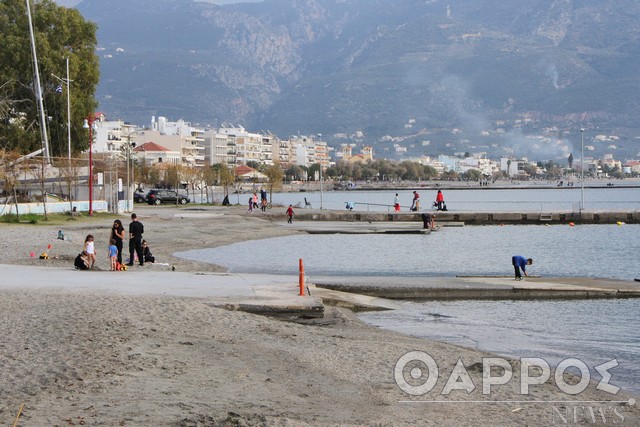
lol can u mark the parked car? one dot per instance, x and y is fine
(139, 197)
(157, 197)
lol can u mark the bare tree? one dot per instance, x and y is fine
(70, 176)
(209, 177)
(39, 169)
(10, 174)
(274, 175)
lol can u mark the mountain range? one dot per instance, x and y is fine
(435, 76)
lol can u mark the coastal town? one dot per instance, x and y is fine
(166, 143)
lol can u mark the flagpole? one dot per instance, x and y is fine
(43, 123)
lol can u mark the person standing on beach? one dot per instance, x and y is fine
(136, 229)
(117, 234)
(90, 250)
(520, 262)
(440, 200)
(290, 214)
(113, 255)
(396, 203)
(250, 210)
(415, 204)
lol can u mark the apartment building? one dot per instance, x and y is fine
(191, 139)
(109, 136)
(244, 146)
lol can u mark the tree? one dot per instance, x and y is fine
(430, 172)
(60, 33)
(274, 175)
(294, 172)
(531, 170)
(311, 171)
(209, 177)
(554, 172)
(473, 175)
(570, 160)
(70, 175)
(191, 175)
(227, 178)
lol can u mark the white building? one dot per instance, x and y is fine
(152, 154)
(109, 136)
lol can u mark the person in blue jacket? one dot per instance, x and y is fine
(520, 262)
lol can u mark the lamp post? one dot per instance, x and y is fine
(88, 124)
(67, 82)
(130, 177)
(582, 171)
(320, 163)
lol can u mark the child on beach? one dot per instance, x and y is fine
(90, 249)
(290, 214)
(82, 261)
(113, 254)
(146, 252)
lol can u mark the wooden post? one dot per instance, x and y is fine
(301, 278)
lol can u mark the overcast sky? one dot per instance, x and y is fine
(73, 3)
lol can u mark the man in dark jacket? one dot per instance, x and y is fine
(136, 229)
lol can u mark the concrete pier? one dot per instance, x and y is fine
(480, 287)
(475, 218)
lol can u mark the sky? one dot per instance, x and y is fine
(73, 3)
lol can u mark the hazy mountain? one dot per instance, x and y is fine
(410, 69)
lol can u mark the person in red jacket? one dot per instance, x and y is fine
(290, 214)
(440, 200)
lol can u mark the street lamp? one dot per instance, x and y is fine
(130, 177)
(88, 124)
(68, 83)
(320, 163)
(582, 171)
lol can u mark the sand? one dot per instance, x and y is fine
(99, 358)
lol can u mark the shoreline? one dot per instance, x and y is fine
(108, 358)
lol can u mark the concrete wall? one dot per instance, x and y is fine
(57, 207)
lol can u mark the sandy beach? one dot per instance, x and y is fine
(101, 358)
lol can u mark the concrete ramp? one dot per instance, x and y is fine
(351, 300)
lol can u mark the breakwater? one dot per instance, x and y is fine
(477, 218)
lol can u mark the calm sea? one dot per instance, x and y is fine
(532, 199)
(594, 331)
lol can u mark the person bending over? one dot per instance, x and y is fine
(520, 262)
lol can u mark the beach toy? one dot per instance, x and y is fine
(571, 224)
(32, 254)
(49, 246)
(620, 223)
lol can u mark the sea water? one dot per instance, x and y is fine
(594, 331)
(473, 198)
(609, 251)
